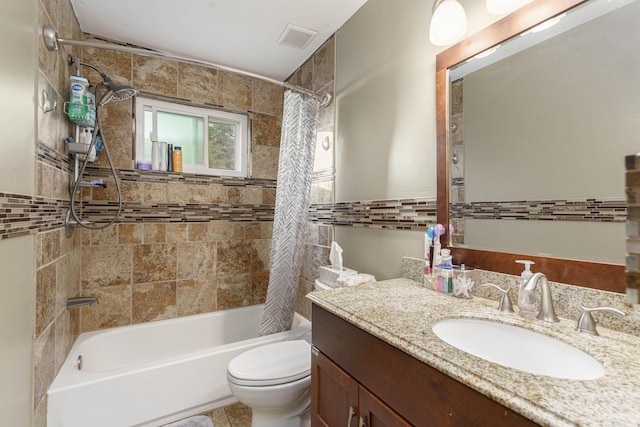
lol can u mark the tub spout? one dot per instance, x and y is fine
(81, 301)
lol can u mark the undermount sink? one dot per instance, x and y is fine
(518, 348)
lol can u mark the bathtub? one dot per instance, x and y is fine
(154, 373)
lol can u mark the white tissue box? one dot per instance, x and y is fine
(329, 275)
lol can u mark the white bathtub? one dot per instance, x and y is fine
(157, 372)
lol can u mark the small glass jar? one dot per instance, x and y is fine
(462, 283)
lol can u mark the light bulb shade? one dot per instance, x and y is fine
(448, 23)
(502, 7)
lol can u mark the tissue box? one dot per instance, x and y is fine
(329, 275)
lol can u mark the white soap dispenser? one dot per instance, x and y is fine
(528, 305)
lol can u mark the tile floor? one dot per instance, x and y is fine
(236, 415)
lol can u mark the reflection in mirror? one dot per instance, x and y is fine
(532, 140)
(538, 137)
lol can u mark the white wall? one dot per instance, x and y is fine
(17, 175)
(386, 123)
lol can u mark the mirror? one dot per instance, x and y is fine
(558, 178)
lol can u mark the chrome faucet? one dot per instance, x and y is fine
(547, 313)
(81, 301)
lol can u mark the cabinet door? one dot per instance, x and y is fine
(375, 413)
(334, 394)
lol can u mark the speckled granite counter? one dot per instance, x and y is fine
(401, 313)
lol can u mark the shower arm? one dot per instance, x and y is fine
(53, 42)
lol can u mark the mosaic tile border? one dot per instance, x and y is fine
(173, 212)
(544, 210)
(20, 215)
(398, 214)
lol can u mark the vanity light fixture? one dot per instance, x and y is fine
(503, 7)
(546, 24)
(448, 22)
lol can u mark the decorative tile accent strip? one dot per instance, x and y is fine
(20, 215)
(172, 212)
(400, 214)
(555, 210)
(51, 157)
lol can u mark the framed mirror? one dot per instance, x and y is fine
(532, 138)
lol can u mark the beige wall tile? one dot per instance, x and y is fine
(113, 310)
(264, 162)
(154, 301)
(44, 363)
(67, 326)
(154, 233)
(116, 65)
(177, 232)
(106, 266)
(196, 260)
(154, 263)
(68, 279)
(259, 285)
(267, 97)
(234, 291)
(155, 75)
(235, 257)
(235, 91)
(265, 130)
(130, 233)
(306, 75)
(269, 196)
(47, 60)
(199, 232)
(195, 193)
(106, 236)
(47, 247)
(45, 297)
(197, 83)
(195, 296)
(324, 65)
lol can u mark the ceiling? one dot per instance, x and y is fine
(239, 34)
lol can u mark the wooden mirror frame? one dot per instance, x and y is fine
(608, 277)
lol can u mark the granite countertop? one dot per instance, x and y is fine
(401, 312)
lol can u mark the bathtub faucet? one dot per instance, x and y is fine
(81, 301)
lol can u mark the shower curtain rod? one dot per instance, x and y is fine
(52, 42)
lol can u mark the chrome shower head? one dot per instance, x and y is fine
(114, 91)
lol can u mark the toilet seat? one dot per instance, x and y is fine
(271, 364)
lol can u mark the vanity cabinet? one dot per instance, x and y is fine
(340, 400)
(387, 387)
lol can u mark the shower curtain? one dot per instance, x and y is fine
(295, 168)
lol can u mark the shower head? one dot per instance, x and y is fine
(114, 91)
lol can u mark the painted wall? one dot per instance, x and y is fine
(17, 173)
(385, 120)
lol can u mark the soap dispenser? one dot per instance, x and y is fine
(528, 305)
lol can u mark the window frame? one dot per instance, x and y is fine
(208, 114)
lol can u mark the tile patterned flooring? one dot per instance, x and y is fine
(236, 415)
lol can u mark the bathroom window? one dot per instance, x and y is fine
(213, 142)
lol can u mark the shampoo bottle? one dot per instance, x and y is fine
(528, 305)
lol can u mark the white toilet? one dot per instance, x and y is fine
(274, 380)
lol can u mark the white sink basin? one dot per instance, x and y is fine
(518, 348)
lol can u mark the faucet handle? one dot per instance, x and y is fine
(505, 301)
(587, 325)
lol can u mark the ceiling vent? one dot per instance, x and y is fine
(296, 36)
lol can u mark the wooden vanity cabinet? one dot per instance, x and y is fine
(352, 369)
(342, 401)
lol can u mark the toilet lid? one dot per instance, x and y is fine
(271, 364)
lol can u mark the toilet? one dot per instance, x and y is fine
(274, 380)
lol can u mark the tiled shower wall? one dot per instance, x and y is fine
(58, 258)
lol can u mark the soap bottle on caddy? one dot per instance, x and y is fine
(528, 305)
(443, 272)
